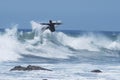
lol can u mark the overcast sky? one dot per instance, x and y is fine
(74, 14)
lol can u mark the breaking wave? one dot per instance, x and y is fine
(58, 45)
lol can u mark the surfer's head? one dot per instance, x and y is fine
(50, 21)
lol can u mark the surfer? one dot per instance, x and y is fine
(51, 25)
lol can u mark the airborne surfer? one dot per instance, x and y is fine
(51, 25)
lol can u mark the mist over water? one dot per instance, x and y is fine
(59, 48)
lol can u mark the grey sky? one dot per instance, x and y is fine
(75, 14)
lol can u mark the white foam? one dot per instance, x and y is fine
(50, 45)
(89, 41)
(9, 45)
(114, 45)
(79, 43)
(46, 48)
(80, 71)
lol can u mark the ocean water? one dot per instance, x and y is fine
(71, 54)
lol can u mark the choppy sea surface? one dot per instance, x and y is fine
(71, 54)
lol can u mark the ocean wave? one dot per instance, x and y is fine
(57, 45)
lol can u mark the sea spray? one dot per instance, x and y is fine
(9, 45)
(15, 44)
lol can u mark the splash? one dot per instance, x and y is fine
(9, 45)
(56, 45)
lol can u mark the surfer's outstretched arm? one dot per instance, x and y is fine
(50, 25)
(57, 23)
(44, 23)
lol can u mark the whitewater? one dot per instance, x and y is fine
(71, 54)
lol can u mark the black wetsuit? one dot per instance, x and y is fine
(52, 27)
